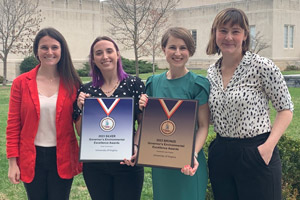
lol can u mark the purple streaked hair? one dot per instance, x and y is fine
(95, 73)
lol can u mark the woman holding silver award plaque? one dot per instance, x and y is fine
(111, 180)
(178, 82)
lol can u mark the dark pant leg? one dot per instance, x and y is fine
(98, 181)
(37, 189)
(47, 184)
(220, 164)
(128, 183)
(58, 188)
(276, 168)
(112, 181)
(255, 179)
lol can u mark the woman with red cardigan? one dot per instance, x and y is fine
(41, 143)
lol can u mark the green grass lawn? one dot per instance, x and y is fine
(290, 72)
(9, 191)
(197, 71)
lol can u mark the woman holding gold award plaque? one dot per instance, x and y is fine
(111, 180)
(189, 183)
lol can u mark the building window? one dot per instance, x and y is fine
(252, 37)
(288, 36)
(291, 38)
(194, 35)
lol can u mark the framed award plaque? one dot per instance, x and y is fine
(107, 129)
(168, 133)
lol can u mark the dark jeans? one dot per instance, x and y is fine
(238, 172)
(47, 185)
(112, 181)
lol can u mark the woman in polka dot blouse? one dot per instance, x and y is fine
(243, 160)
(111, 180)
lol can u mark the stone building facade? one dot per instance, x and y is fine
(81, 21)
(277, 21)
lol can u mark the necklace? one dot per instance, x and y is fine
(113, 89)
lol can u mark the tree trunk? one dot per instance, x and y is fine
(153, 61)
(136, 62)
(4, 70)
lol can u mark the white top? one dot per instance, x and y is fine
(46, 134)
(241, 110)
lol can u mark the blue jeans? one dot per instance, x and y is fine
(47, 185)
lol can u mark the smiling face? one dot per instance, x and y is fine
(105, 56)
(49, 51)
(229, 39)
(176, 52)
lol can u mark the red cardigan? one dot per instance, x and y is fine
(22, 126)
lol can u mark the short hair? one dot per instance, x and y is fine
(97, 77)
(181, 33)
(65, 65)
(233, 16)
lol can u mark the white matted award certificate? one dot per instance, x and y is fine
(107, 129)
(168, 133)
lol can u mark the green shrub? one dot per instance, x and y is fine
(291, 68)
(209, 139)
(28, 64)
(83, 72)
(1, 79)
(129, 66)
(289, 150)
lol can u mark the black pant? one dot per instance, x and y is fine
(47, 185)
(238, 172)
(112, 181)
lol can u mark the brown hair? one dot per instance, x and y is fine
(97, 76)
(181, 33)
(232, 16)
(65, 66)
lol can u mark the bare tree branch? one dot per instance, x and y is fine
(132, 22)
(152, 46)
(258, 43)
(19, 24)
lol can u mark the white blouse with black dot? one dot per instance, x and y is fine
(134, 89)
(241, 110)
